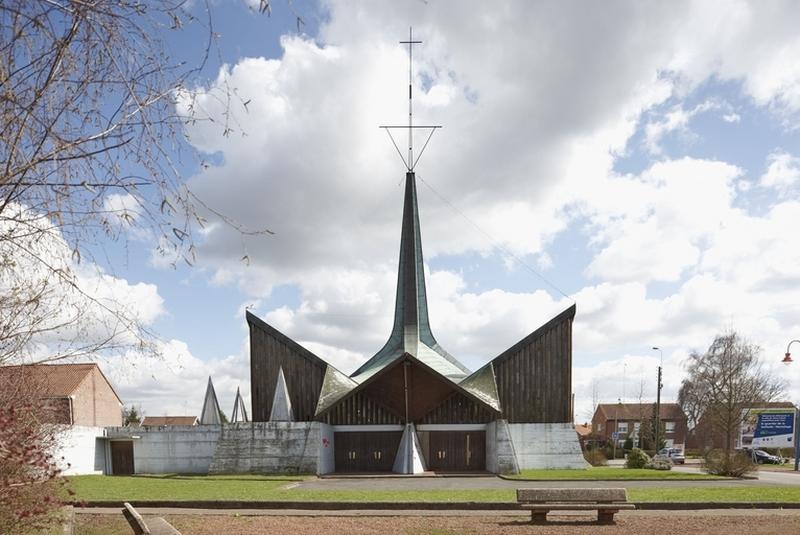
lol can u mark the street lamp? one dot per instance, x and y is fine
(787, 359)
(658, 399)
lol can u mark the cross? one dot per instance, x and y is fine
(410, 44)
(410, 163)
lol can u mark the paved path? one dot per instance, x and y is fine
(491, 482)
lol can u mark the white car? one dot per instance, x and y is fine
(673, 454)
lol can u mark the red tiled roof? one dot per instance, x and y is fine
(53, 380)
(583, 430)
(636, 411)
(154, 421)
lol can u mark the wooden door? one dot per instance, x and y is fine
(122, 457)
(365, 451)
(457, 451)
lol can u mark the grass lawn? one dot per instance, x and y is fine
(280, 488)
(610, 473)
(254, 488)
(716, 494)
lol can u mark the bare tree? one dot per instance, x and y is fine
(91, 147)
(90, 144)
(725, 381)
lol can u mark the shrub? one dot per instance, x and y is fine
(720, 463)
(659, 462)
(637, 459)
(595, 457)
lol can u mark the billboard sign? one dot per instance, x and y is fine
(767, 428)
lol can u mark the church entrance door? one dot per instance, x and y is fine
(365, 451)
(457, 451)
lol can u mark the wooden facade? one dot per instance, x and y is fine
(432, 398)
(534, 377)
(271, 350)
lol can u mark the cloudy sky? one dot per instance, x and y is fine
(640, 159)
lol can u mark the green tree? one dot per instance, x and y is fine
(131, 416)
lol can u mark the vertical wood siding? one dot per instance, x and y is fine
(459, 409)
(269, 351)
(534, 377)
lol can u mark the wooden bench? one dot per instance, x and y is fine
(607, 502)
(154, 526)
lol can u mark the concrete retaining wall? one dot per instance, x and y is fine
(80, 450)
(546, 446)
(184, 449)
(268, 448)
(500, 455)
(256, 447)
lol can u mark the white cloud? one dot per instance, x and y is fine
(532, 129)
(175, 383)
(677, 119)
(783, 171)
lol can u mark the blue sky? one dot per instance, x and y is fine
(647, 169)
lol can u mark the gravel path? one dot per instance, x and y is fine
(685, 523)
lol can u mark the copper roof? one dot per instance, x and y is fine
(155, 421)
(637, 411)
(411, 332)
(53, 380)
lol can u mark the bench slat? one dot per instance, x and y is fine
(572, 495)
(579, 506)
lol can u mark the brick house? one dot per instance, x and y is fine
(626, 419)
(75, 394)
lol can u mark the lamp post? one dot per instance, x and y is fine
(787, 359)
(658, 399)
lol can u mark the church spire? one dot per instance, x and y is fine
(411, 302)
(411, 331)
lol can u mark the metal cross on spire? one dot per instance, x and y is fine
(410, 163)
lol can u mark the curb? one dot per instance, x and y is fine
(421, 506)
(660, 479)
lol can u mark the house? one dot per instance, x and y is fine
(703, 436)
(79, 400)
(626, 419)
(158, 421)
(584, 431)
(74, 394)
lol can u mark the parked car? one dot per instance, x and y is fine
(762, 457)
(673, 454)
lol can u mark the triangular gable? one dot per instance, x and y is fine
(385, 370)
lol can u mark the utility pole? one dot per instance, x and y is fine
(658, 401)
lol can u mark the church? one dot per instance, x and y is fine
(413, 406)
(409, 409)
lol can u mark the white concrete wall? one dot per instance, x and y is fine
(268, 448)
(546, 446)
(82, 449)
(327, 461)
(184, 449)
(500, 455)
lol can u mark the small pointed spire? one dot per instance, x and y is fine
(210, 414)
(239, 414)
(409, 458)
(281, 404)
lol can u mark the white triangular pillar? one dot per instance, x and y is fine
(239, 414)
(281, 404)
(210, 413)
(409, 458)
